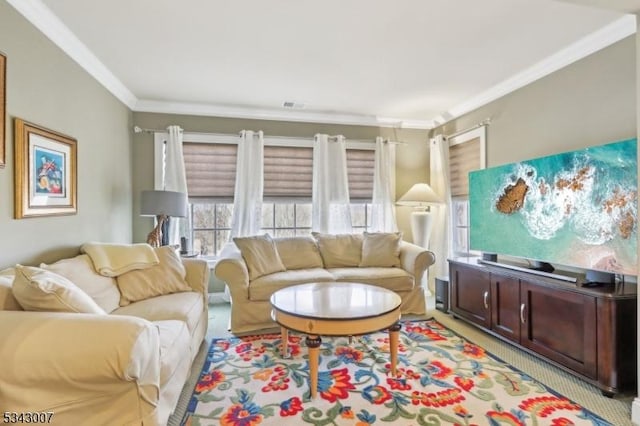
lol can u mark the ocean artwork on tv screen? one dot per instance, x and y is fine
(577, 209)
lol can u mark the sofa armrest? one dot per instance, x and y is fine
(50, 360)
(232, 269)
(415, 260)
(198, 275)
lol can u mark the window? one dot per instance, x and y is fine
(466, 153)
(210, 163)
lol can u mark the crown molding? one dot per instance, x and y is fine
(36, 12)
(276, 114)
(606, 36)
(44, 20)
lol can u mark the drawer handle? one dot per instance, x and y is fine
(522, 319)
(486, 301)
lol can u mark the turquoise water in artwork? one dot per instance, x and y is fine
(580, 209)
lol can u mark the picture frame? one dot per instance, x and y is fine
(45, 171)
(3, 108)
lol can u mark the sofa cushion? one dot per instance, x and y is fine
(80, 271)
(298, 252)
(381, 249)
(7, 301)
(260, 254)
(395, 279)
(339, 250)
(167, 277)
(174, 339)
(264, 287)
(186, 307)
(37, 289)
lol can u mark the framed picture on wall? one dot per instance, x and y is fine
(45, 172)
(3, 107)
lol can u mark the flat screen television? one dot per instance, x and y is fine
(577, 209)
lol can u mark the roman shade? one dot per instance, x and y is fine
(463, 158)
(210, 169)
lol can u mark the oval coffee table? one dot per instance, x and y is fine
(335, 309)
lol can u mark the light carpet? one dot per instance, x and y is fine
(442, 379)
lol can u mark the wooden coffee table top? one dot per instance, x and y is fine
(335, 308)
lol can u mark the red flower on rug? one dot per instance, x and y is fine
(242, 415)
(437, 399)
(290, 407)
(348, 355)
(334, 384)
(544, 406)
(209, 381)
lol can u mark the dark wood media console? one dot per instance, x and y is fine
(587, 331)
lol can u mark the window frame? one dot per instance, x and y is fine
(298, 142)
(460, 225)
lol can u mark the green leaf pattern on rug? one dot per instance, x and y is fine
(442, 379)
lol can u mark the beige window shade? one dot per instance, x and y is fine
(360, 165)
(463, 158)
(287, 171)
(210, 169)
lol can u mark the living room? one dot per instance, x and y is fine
(589, 102)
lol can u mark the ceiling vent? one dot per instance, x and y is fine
(292, 105)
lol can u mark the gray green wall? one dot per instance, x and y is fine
(590, 102)
(45, 87)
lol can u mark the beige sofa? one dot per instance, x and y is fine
(375, 259)
(124, 364)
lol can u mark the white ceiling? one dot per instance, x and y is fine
(410, 63)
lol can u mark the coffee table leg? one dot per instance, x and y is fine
(313, 343)
(394, 333)
(284, 333)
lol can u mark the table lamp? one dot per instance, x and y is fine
(162, 205)
(420, 197)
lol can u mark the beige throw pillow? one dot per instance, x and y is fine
(80, 271)
(260, 254)
(339, 250)
(298, 252)
(381, 249)
(36, 289)
(167, 277)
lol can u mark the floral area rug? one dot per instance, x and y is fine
(441, 379)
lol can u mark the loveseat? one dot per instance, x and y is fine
(255, 267)
(101, 350)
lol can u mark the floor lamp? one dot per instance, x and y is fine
(420, 197)
(162, 205)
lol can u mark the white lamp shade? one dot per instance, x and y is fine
(168, 203)
(420, 194)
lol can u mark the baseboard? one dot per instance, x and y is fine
(635, 411)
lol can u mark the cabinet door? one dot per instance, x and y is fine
(505, 306)
(560, 325)
(470, 289)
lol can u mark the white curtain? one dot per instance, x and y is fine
(331, 211)
(383, 218)
(175, 179)
(441, 233)
(247, 199)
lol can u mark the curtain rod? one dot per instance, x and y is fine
(138, 129)
(484, 122)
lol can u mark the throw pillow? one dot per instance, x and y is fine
(80, 271)
(339, 250)
(167, 277)
(381, 249)
(36, 289)
(7, 301)
(298, 252)
(260, 254)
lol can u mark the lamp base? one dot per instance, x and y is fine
(154, 239)
(421, 228)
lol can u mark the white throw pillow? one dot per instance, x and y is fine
(381, 249)
(36, 289)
